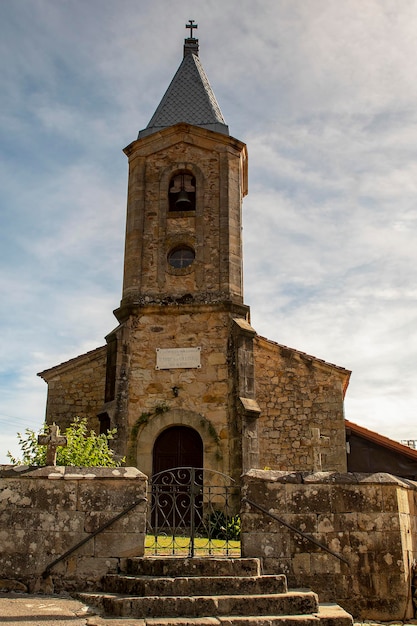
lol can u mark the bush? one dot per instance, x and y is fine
(84, 449)
(221, 526)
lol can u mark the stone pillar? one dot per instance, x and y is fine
(248, 410)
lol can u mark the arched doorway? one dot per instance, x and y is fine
(190, 506)
(173, 504)
(177, 446)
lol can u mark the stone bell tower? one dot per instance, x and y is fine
(187, 178)
(180, 362)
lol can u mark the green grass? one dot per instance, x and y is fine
(164, 545)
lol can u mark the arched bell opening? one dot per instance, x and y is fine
(182, 192)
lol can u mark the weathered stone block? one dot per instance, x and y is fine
(102, 496)
(322, 563)
(374, 537)
(301, 564)
(268, 545)
(348, 498)
(308, 498)
(133, 522)
(108, 545)
(31, 542)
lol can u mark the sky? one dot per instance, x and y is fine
(323, 93)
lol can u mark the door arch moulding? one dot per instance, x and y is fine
(214, 456)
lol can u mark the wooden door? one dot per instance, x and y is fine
(176, 493)
(178, 446)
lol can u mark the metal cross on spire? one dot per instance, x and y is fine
(191, 26)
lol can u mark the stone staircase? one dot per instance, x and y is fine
(163, 591)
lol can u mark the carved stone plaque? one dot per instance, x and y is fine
(175, 358)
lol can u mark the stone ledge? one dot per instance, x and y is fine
(71, 473)
(348, 478)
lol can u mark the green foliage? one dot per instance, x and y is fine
(143, 419)
(221, 526)
(211, 430)
(161, 408)
(84, 449)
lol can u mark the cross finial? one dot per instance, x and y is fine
(52, 441)
(191, 26)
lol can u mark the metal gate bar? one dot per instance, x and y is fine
(193, 511)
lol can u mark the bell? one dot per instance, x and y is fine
(183, 202)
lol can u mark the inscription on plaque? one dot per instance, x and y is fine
(175, 358)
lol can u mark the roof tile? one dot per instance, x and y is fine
(189, 98)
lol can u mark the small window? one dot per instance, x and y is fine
(111, 361)
(181, 257)
(182, 192)
(104, 420)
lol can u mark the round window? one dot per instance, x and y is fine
(181, 257)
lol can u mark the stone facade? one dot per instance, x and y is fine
(241, 376)
(154, 399)
(76, 389)
(369, 519)
(45, 512)
(252, 402)
(296, 393)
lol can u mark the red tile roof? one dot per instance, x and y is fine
(374, 437)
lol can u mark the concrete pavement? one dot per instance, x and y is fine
(22, 609)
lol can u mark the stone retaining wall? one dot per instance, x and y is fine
(46, 511)
(370, 519)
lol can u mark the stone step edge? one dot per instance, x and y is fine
(249, 620)
(222, 576)
(328, 615)
(250, 564)
(125, 605)
(97, 595)
(196, 559)
(281, 578)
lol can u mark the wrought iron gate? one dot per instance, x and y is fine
(193, 511)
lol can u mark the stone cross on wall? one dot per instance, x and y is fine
(52, 440)
(317, 443)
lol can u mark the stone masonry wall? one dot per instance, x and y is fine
(200, 397)
(296, 393)
(44, 512)
(216, 162)
(204, 392)
(370, 519)
(76, 389)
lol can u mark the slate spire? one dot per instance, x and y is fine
(189, 98)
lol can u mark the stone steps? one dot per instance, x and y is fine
(196, 566)
(175, 591)
(290, 603)
(327, 618)
(333, 617)
(194, 585)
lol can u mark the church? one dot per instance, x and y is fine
(184, 377)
